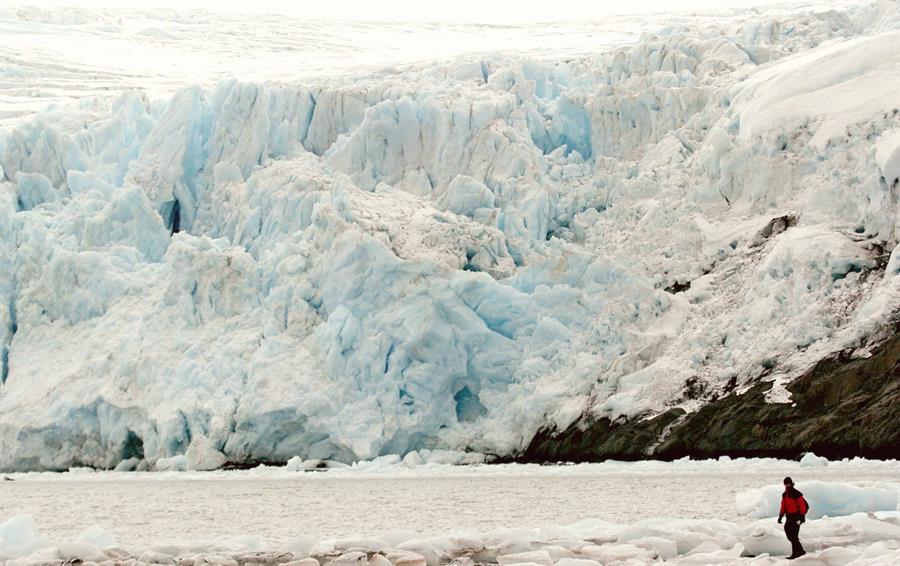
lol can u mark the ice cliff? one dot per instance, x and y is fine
(448, 256)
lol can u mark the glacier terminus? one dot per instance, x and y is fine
(448, 256)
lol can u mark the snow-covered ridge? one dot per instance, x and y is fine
(449, 257)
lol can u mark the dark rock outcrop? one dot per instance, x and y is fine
(842, 407)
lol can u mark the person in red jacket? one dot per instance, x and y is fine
(794, 507)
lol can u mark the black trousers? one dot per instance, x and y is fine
(792, 530)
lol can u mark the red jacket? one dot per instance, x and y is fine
(793, 503)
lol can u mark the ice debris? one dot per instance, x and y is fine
(857, 540)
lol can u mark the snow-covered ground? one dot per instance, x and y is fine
(53, 56)
(689, 512)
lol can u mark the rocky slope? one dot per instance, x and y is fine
(845, 406)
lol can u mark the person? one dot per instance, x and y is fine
(794, 507)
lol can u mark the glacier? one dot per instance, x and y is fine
(450, 255)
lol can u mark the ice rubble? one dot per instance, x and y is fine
(860, 539)
(426, 463)
(450, 256)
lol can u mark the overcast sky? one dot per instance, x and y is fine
(489, 11)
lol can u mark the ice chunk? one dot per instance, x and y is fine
(540, 557)
(153, 557)
(295, 464)
(128, 465)
(98, 536)
(79, 551)
(19, 536)
(365, 545)
(465, 195)
(825, 499)
(766, 539)
(173, 464)
(665, 548)
(810, 460)
(127, 219)
(40, 148)
(397, 536)
(354, 558)
(422, 548)
(406, 558)
(202, 454)
(34, 189)
(887, 156)
(686, 534)
(576, 562)
(729, 556)
(620, 552)
(893, 264)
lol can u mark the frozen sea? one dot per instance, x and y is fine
(152, 508)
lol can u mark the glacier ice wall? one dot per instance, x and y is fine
(450, 256)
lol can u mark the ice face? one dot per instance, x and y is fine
(444, 257)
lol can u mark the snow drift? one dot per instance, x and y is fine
(446, 257)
